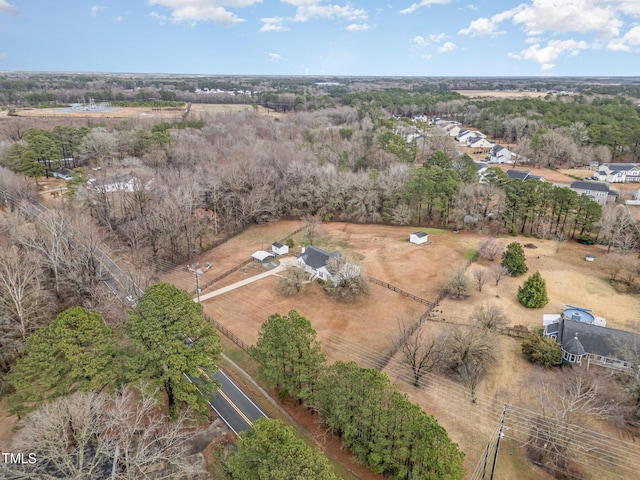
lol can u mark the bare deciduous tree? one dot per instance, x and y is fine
(86, 435)
(480, 277)
(458, 284)
(311, 223)
(23, 299)
(499, 272)
(466, 344)
(420, 353)
(348, 281)
(573, 398)
(490, 316)
(490, 248)
(292, 280)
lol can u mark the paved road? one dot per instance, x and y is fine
(233, 406)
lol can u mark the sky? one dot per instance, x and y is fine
(323, 37)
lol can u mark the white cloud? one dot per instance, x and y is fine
(193, 11)
(627, 43)
(545, 56)
(562, 16)
(357, 27)
(482, 27)
(423, 3)
(427, 56)
(6, 7)
(309, 9)
(488, 27)
(438, 37)
(275, 57)
(273, 24)
(447, 47)
(96, 9)
(3, 56)
(119, 18)
(419, 41)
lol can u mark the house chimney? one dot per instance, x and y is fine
(303, 248)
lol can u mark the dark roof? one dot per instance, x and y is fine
(497, 148)
(602, 187)
(277, 244)
(620, 166)
(595, 339)
(317, 258)
(518, 174)
(574, 346)
(420, 234)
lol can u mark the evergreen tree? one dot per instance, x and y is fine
(513, 259)
(289, 354)
(533, 294)
(77, 351)
(171, 339)
(271, 451)
(542, 350)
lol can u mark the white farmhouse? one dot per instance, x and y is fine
(314, 261)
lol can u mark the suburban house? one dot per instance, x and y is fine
(279, 248)
(598, 192)
(121, 182)
(479, 142)
(584, 338)
(314, 260)
(464, 135)
(500, 154)
(452, 130)
(619, 172)
(523, 175)
(418, 238)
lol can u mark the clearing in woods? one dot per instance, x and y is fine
(365, 331)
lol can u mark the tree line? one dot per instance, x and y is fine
(379, 425)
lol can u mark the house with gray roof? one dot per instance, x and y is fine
(619, 172)
(596, 191)
(500, 154)
(523, 175)
(314, 261)
(592, 343)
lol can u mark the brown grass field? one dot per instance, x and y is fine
(197, 109)
(364, 332)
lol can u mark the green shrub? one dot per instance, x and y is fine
(533, 294)
(586, 239)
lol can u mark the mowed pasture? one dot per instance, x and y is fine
(365, 331)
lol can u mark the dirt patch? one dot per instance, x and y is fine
(562, 177)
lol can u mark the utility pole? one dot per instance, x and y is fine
(198, 273)
(500, 435)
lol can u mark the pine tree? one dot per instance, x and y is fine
(533, 294)
(513, 259)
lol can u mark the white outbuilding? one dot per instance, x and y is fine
(261, 256)
(279, 248)
(418, 238)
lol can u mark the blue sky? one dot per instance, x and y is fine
(324, 37)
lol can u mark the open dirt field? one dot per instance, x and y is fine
(496, 94)
(364, 331)
(129, 112)
(561, 177)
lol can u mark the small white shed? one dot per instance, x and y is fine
(418, 238)
(279, 248)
